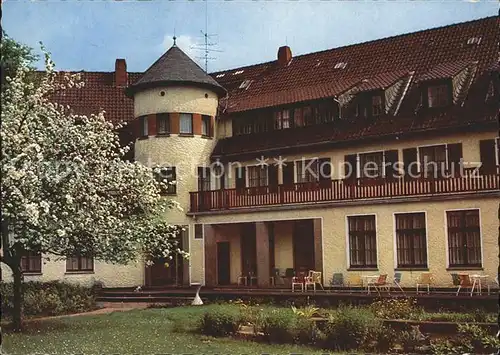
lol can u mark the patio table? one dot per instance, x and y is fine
(476, 280)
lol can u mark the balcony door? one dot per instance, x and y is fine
(204, 185)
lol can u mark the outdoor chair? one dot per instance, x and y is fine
(397, 281)
(313, 278)
(275, 277)
(425, 280)
(465, 282)
(337, 280)
(377, 284)
(289, 274)
(298, 281)
(242, 280)
(354, 280)
(494, 284)
(252, 277)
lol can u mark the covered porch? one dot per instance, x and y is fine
(263, 253)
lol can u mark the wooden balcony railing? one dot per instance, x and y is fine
(340, 190)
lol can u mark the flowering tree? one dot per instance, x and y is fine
(66, 189)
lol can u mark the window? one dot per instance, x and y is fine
(438, 95)
(144, 126)
(79, 263)
(206, 126)
(186, 123)
(31, 262)
(282, 119)
(377, 105)
(464, 238)
(198, 231)
(257, 176)
(166, 176)
(204, 178)
(411, 244)
(298, 117)
(371, 165)
(362, 242)
(307, 171)
(163, 123)
(433, 160)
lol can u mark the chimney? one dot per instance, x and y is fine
(121, 76)
(284, 55)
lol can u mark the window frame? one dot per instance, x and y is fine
(206, 121)
(160, 117)
(144, 126)
(171, 188)
(29, 257)
(260, 176)
(447, 93)
(181, 115)
(373, 106)
(358, 165)
(79, 268)
(365, 266)
(413, 265)
(199, 235)
(446, 152)
(480, 235)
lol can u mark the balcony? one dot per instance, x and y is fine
(341, 190)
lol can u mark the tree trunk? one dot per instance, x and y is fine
(18, 298)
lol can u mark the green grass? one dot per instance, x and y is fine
(150, 331)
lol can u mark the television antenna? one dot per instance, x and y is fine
(208, 42)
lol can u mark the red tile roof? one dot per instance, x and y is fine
(435, 53)
(431, 52)
(445, 70)
(420, 52)
(99, 93)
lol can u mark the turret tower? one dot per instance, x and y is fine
(175, 103)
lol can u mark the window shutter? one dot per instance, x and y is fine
(324, 169)
(454, 157)
(240, 177)
(350, 167)
(211, 126)
(391, 158)
(151, 124)
(410, 162)
(288, 171)
(487, 154)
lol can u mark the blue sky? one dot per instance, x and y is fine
(90, 35)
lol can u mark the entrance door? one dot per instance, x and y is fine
(223, 264)
(167, 272)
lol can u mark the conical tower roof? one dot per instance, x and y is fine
(175, 68)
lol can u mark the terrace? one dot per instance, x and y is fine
(342, 190)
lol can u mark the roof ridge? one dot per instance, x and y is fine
(360, 43)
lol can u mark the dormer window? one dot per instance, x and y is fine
(377, 105)
(438, 95)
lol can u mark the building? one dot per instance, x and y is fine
(381, 157)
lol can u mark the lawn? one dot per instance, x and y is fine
(149, 331)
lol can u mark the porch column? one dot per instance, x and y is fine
(210, 277)
(262, 241)
(318, 247)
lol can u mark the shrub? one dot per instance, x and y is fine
(220, 322)
(278, 326)
(49, 298)
(412, 339)
(477, 339)
(348, 328)
(396, 308)
(380, 338)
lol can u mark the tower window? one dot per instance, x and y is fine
(144, 126)
(186, 123)
(167, 177)
(438, 95)
(205, 126)
(163, 123)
